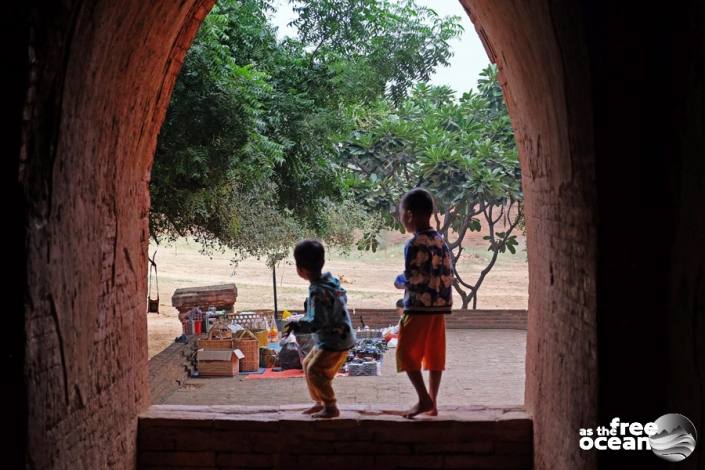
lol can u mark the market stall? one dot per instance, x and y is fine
(254, 339)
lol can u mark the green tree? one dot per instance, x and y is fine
(462, 151)
(213, 152)
(255, 122)
(380, 47)
(376, 46)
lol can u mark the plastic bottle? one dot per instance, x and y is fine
(273, 333)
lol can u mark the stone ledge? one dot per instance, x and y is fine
(232, 436)
(348, 412)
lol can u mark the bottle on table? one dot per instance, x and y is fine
(273, 333)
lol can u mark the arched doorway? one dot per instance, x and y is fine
(94, 88)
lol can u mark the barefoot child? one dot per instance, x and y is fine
(427, 283)
(327, 316)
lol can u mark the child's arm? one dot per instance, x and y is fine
(400, 282)
(416, 257)
(312, 319)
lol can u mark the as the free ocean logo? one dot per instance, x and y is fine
(671, 437)
(675, 438)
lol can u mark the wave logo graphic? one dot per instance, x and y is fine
(675, 439)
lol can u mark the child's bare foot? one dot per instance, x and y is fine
(433, 411)
(327, 412)
(315, 408)
(423, 406)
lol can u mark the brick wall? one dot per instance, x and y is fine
(169, 369)
(542, 64)
(459, 319)
(283, 438)
(101, 78)
(578, 89)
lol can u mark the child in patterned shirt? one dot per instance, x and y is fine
(427, 282)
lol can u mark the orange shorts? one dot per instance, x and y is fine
(422, 342)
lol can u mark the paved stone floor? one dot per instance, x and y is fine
(483, 367)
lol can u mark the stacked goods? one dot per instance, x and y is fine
(218, 362)
(252, 320)
(216, 356)
(366, 356)
(366, 368)
(219, 337)
(391, 335)
(290, 353)
(258, 323)
(268, 357)
(247, 342)
(369, 349)
(368, 333)
(262, 337)
(192, 321)
(222, 297)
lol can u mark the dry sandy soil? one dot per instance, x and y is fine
(368, 278)
(483, 367)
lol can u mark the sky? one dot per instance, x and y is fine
(469, 55)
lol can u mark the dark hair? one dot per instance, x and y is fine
(400, 303)
(419, 202)
(310, 255)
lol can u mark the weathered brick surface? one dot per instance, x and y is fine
(559, 183)
(459, 319)
(102, 74)
(579, 108)
(364, 437)
(169, 369)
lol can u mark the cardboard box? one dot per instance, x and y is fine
(219, 362)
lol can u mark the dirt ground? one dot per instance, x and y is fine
(483, 367)
(368, 278)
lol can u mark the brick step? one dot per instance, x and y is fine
(173, 436)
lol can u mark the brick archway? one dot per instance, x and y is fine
(92, 80)
(101, 75)
(546, 80)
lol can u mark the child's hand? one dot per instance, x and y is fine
(289, 328)
(400, 282)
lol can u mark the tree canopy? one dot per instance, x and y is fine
(249, 155)
(267, 140)
(462, 150)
